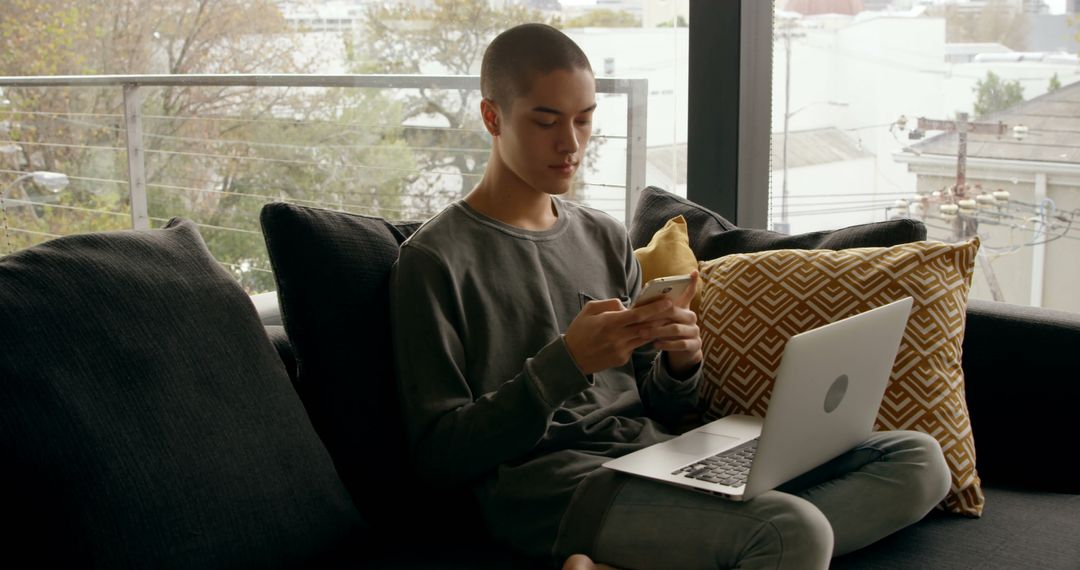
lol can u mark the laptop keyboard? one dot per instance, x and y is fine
(730, 467)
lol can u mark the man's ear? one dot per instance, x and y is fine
(489, 111)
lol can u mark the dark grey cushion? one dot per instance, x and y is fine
(1020, 394)
(1018, 529)
(712, 236)
(145, 418)
(332, 271)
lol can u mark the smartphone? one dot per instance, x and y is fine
(670, 287)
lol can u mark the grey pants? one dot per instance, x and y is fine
(890, 481)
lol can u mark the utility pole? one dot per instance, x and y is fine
(962, 127)
(967, 225)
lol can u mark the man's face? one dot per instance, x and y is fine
(543, 136)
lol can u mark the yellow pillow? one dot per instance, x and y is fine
(753, 303)
(669, 253)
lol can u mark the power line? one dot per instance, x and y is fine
(203, 140)
(259, 159)
(320, 203)
(65, 207)
(250, 268)
(324, 204)
(31, 232)
(377, 127)
(65, 113)
(847, 210)
(214, 227)
(853, 194)
(70, 177)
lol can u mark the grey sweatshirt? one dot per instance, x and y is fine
(491, 396)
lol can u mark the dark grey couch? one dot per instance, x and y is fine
(148, 422)
(1020, 391)
(1012, 358)
(1019, 399)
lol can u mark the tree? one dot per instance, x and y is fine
(993, 94)
(996, 22)
(449, 38)
(213, 154)
(1055, 84)
(680, 22)
(54, 37)
(449, 144)
(604, 18)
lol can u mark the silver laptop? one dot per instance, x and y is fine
(827, 393)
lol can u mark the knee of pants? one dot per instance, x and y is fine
(939, 478)
(935, 479)
(793, 525)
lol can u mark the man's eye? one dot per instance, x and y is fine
(584, 122)
(542, 124)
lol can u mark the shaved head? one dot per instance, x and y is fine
(515, 57)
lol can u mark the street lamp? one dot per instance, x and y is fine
(783, 226)
(52, 181)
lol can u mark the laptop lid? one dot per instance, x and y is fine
(827, 393)
(829, 387)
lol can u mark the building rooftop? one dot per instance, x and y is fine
(1053, 122)
(805, 148)
(814, 147)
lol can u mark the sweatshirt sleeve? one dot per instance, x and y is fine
(454, 434)
(666, 398)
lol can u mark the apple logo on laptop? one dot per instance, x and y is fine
(836, 393)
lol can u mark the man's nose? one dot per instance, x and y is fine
(568, 139)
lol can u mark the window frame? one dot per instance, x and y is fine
(728, 140)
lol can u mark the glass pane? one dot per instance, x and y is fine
(868, 102)
(216, 154)
(621, 39)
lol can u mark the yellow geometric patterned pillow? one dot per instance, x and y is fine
(753, 303)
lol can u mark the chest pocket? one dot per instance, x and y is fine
(584, 298)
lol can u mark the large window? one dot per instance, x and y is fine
(962, 114)
(72, 159)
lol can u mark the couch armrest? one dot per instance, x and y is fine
(1020, 368)
(266, 305)
(284, 349)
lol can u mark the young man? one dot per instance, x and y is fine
(522, 369)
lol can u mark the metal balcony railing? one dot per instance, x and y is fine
(21, 153)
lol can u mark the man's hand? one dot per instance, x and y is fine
(677, 334)
(605, 334)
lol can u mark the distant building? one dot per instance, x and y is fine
(1053, 33)
(341, 15)
(1036, 7)
(331, 16)
(979, 6)
(966, 53)
(816, 7)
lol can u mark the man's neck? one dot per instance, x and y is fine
(513, 202)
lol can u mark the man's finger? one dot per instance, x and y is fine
(688, 294)
(602, 306)
(646, 312)
(669, 332)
